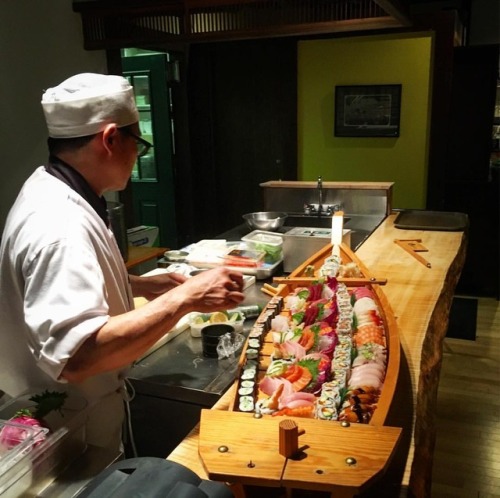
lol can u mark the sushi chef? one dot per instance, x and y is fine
(67, 318)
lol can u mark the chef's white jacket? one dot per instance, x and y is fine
(61, 277)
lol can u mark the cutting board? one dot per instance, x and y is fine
(180, 326)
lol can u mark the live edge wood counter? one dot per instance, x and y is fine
(421, 299)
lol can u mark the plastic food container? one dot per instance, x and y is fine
(270, 243)
(16, 461)
(198, 321)
(31, 467)
(21, 440)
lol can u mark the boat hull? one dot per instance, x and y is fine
(333, 455)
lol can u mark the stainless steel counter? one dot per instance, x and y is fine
(180, 372)
(361, 226)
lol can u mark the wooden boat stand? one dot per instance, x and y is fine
(339, 458)
(420, 299)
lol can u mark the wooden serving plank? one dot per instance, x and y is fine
(141, 254)
(264, 362)
(253, 456)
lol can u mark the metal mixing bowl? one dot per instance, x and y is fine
(265, 220)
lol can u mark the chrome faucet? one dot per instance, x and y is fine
(320, 195)
(309, 209)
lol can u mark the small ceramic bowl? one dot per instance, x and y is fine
(211, 335)
(175, 256)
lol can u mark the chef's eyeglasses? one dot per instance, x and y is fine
(143, 146)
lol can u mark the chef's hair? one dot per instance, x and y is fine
(58, 145)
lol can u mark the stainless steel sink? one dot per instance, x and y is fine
(304, 220)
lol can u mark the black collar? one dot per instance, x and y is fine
(68, 175)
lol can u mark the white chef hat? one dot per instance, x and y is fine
(85, 103)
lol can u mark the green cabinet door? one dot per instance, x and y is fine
(153, 191)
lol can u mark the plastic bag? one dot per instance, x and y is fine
(229, 344)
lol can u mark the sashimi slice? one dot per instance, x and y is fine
(303, 381)
(290, 349)
(361, 292)
(365, 380)
(370, 368)
(280, 323)
(369, 333)
(296, 403)
(285, 400)
(268, 385)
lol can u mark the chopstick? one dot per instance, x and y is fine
(349, 281)
(411, 246)
(269, 293)
(269, 290)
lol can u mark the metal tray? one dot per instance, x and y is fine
(415, 219)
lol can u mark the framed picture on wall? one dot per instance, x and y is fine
(367, 110)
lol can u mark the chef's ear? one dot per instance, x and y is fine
(109, 135)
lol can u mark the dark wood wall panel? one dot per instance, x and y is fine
(243, 126)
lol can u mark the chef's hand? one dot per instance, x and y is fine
(213, 290)
(153, 286)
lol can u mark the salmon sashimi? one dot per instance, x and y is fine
(369, 333)
(298, 376)
(307, 338)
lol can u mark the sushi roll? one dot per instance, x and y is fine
(256, 333)
(345, 341)
(277, 302)
(326, 412)
(245, 391)
(339, 377)
(330, 394)
(246, 404)
(325, 400)
(252, 354)
(248, 383)
(341, 363)
(254, 343)
(249, 374)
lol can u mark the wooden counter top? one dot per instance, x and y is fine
(421, 299)
(141, 254)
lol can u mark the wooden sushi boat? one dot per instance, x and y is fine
(323, 429)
